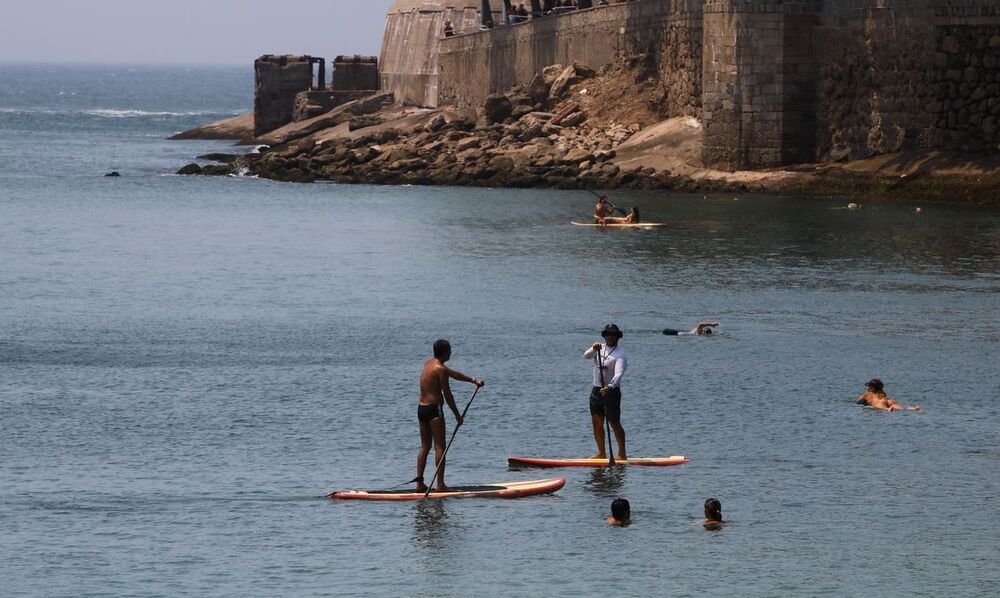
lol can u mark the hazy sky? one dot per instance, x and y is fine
(186, 31)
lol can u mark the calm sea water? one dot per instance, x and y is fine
(187, 365)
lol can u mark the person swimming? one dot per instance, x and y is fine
(621, 513)
(876, 398)
(704, 328)
(713, 514)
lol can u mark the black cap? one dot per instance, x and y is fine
(611, 330)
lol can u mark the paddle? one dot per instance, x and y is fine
(613, 206)
(448, 446)
(607, 422)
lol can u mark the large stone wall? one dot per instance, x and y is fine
(759, 82)
(413, 31)
(278, 79)
(667, 31)
(914, 74)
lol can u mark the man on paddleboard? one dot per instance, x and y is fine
(604, 209)
(610, 364)
(434, 392)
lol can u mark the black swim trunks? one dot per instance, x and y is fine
(671, 332)
(609, 406)
(428, 413)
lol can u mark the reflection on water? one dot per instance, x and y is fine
(430, 525)
(606, 481)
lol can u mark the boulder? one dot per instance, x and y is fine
(191, 168)
(551, 73)
(563, 81)
(577, 155)
(583, 71)
(497, 108)
(573, 120)
(539, 90)
(436, 124)
(217, 157)
(467, 144)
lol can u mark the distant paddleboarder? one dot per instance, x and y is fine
(604, 209)
(704, 328)
(434, 392)
(610, 364)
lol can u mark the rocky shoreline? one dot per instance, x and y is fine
(571, 128)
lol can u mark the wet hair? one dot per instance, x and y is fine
(713, 509)
(441, 348)
(620, 509)
(707, 330)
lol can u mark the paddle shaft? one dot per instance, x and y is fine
(613, 206)
(448, 446)
(607, 422)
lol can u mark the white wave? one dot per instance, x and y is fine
(113, 113)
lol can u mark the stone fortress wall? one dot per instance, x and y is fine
(774, 81)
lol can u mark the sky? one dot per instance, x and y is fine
(186, 31)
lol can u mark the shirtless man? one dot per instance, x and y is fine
(604, 209)
(876, 398)
(704, 328)
(434, 391)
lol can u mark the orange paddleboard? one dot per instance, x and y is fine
(502, 490)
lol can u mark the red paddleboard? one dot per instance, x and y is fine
(646, 461)
(503, 490)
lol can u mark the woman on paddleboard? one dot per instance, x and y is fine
(610, 364)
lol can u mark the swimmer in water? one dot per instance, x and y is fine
(876, 398)
(713, 514)
(704, 328)
(621, 513)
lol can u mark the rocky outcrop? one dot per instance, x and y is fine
(238, 128)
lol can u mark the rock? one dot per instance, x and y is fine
(363, 121)
(521, 110)
(604, 155)
(950, 45)
(573, 120)
(545, 162)
(113, 174)
(497, 108)
(467, 144)
(583, 71)
(562, 83)
(575, 156)
(539, 90)
(551, 73)
(217, 170)
(217, 157)
(191, 168)
(436, 124)
(367, 154)
(542, 116)
(568, 109)
(585, 165)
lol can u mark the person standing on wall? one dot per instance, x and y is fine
(610, 363)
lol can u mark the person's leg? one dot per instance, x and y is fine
(598, 422)
(437, 431)
(619, 431)
(425, 448)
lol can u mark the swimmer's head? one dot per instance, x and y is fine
(707, 331)
(442, 349)
(875, 385)
(713, 509)
(621, 510)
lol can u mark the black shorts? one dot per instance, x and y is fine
(671, 332)
(609, 406)
(428, 413)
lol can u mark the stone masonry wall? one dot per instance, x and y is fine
(668, 31)
(278, 79)
(758, 83)
(919, 74)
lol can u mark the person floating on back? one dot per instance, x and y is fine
(704, 328)
(713, 514)
(610, 364)
(604, 209)
(621, 513)
(434, 392)
(876, 398)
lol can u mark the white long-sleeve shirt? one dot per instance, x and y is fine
(615, 364)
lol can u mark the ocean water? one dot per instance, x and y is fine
(188, 365)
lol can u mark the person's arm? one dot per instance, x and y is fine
(448, 397)
(457, 375)
(862, 400)
(589, 353)
(621, 364)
